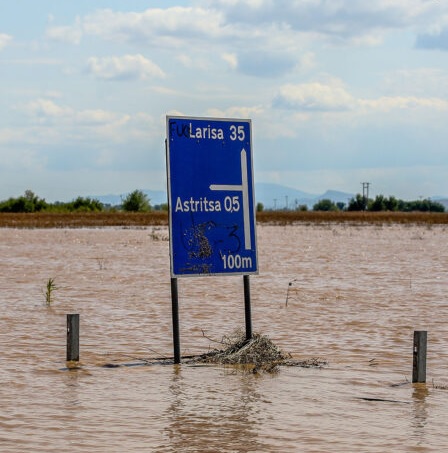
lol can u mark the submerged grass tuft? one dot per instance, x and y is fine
(50, 288)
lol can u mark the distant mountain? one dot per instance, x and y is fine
(272, 196)
(277, 196)
(441, 200)
(336, 196)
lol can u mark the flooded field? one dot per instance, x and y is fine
(352, 295)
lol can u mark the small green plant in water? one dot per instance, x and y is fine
(50, 288)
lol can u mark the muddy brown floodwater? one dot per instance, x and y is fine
(352, 295)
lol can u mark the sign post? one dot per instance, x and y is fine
(211, 199)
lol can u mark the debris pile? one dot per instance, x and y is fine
(257, 354)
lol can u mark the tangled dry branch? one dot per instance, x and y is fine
(258, 354)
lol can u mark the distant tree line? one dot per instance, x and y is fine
(380, 203)
(136, 201)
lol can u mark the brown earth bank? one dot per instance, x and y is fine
(144, 219)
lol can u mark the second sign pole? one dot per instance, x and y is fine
(247, 309)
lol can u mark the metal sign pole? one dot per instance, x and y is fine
(247, 310)
(175, 315)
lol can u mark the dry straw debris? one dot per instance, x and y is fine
(259, 354)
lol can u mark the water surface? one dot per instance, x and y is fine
(352, 295)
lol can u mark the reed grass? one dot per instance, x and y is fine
(50, 288)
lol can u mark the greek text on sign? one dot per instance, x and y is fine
(211, 197)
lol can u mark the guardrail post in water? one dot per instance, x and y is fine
(419, 356)
(73, 337)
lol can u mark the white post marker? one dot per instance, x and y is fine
(244, 189)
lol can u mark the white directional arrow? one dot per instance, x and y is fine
(244, 189)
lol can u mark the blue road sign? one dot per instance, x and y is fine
(211, 196)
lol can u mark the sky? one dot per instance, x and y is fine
(339, 92)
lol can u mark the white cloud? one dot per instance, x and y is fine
(27, 135)
(386, 103)
(50, 122)
(333, 97)
(236, 112)
(9, 136)
(168, 27)
(262, 38)
(314, 96)
(46, 108)
(71, 34)
(289, 65)
(128, 67)
(99, 117)
(231, 59)
(307, 61)
(4, 40)
(192, 28)
(423, 81)
(359, 21)
(193, 62)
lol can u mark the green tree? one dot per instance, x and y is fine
(260, 207)
(136, 201)
(425, 205)
(85, 205)
(325, 205)
(378, 204)
(28, 202)
(359, 203)
(437, 207)
(391, 203)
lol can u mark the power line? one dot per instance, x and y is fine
(365, 193)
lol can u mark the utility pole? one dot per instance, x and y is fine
(365, 193)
